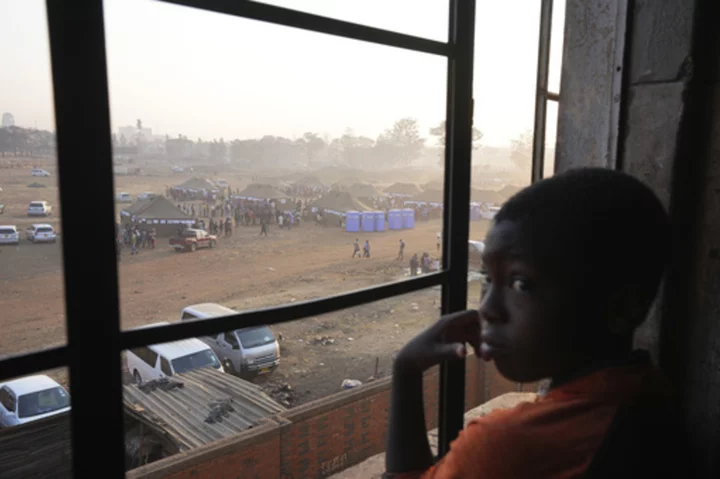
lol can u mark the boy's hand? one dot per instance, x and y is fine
(442, 341)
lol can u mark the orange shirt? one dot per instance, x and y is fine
(556, 436)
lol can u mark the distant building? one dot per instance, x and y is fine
(8, 120)
(131, 134)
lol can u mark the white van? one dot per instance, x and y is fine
(246, 352)
(167, 359)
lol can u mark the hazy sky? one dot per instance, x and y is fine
(208, 75)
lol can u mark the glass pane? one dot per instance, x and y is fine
(329, 143)
(327, 378)
(35, 424)
(428, 19)
(551, 138)
(30, 231)
(556, 45)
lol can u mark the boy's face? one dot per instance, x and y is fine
(530, 325)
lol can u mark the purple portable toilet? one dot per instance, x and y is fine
(379, 220)
(395, 220)
(352, 222)
(408, 218)
(475, 213)
(368, 221)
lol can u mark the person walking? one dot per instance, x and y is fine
(366, 249)
(401, 251)
(263, 228)
(133, 243)
(356, 249)
(438, 242)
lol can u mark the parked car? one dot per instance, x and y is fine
(39, 172)
(146, 196)
(40, 233)
(31, 398)
(123, 198)
(156, 361)
(39, 208)
(222, 183)
(192, 239)
(246, 352)
(9, 234)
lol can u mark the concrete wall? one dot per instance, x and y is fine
(589, 103)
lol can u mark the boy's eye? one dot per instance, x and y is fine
(520, 285)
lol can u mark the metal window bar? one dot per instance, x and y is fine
(541, 94)
(458, 170)
(317, 23)
(84, 149)
(82, 113)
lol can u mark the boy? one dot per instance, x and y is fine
(572, 265)
(356, 248)
(401, 251)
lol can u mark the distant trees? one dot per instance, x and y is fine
(439, 133)
(401, 144)
(521, 150)
(18, 141)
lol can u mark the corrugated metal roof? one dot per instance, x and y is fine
(183, 412)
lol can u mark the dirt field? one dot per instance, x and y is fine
(243, 272)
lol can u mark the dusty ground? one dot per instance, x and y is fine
(244, 272)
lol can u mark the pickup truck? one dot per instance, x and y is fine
(192, 239)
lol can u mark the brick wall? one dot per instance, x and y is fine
(312, 440)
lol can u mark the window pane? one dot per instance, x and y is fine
(556, 45)
(327, 378)
(32, 297)
(308, 134)
(428, 19)
(551, 138)
(36, 435)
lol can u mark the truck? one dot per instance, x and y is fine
(191, 239)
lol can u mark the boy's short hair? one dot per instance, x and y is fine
(602, 224)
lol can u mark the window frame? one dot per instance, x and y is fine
(80, 88)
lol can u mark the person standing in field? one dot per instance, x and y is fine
(414, 263)
(366, 249)
(401, 251)
(438, 242)
(356, 249)
(263, 227)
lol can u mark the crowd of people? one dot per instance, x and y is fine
(135, 238)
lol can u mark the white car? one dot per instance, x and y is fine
(41, 233)
(222, 183)
(123, 198)
(31, 398)
(39, 172)
(9, 234)
(156, 361)
(39, 208)
(146, 196)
